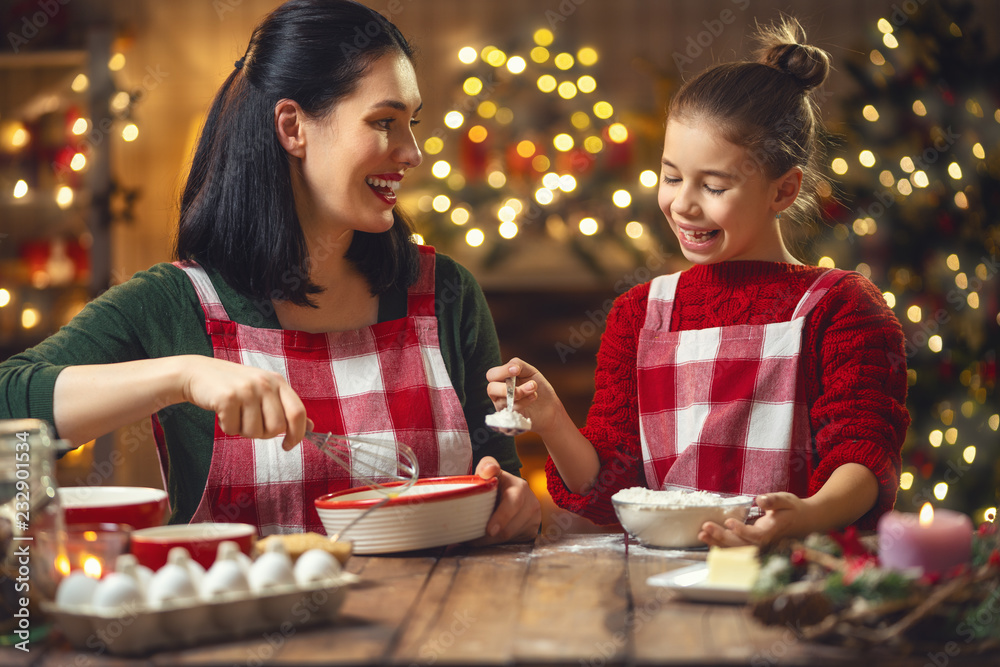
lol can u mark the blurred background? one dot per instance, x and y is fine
(541, 133)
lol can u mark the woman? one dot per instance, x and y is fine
(298, 301)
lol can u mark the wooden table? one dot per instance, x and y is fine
(579, 599)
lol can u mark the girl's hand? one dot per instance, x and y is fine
(518, 513)
(534, 397)
(783, 513)
(250, 402)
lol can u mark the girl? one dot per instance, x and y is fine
(298, 291)
(749, 372)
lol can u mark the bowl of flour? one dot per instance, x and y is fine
(672, 518)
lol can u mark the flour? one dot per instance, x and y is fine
(508, 419)
(675, 497)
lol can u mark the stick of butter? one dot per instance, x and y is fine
(733, 567)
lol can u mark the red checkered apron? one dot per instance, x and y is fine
(723, 409)
(386, 382)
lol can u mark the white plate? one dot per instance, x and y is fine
(690, 583)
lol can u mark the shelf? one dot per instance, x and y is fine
(54, 58)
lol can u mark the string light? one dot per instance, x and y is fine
(486, 109)
(543, 37)
(460, 215)
(130, 132)
(914, 314)
(441, 203)
(563, 61)
(567, 90)
(826, 263)
(906, 481)
(20, 189)
(634, 229)
(603, 110)
(547, 83)
(941, 488)
(79, 126)
(588, 226)
(977, 151)
(870, 113)
(866, 158)
(477, 134)
(919, 108)
(117, 62)
(78, 162)
(29, 317)
(80, 83)
(4, 297)
(539, 54)
(473, 85)
(586, 84)
(516, 64)
(544, 196)
(433, 145)
(467, 55)
(64, 197)
(475, 237)
(562, 142)
(839, 166)
(587, 56)
(454, 119)
(955, 171)
(889, 40)
(621, 198)
(508, 230)
(441, 168)
(906, 164)
(593, 144)
(904, 187)
(618, 133)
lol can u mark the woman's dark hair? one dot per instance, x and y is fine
(237, 211)
(766, 107)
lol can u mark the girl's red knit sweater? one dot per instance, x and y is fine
(853, 363)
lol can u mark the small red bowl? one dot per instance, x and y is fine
(137, 506)
(151, 546)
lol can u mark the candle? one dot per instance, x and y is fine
(937, 541)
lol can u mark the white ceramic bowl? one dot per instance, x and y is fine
(432, 513)
(660, 523)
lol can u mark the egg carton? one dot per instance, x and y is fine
(134, 630)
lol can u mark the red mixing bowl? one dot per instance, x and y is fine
(137, 506)
(151, 546)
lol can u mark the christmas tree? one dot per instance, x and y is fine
(533, 150)
(919, 166)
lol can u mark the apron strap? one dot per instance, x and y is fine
(207, 294)
(662, 290)
(817, 291)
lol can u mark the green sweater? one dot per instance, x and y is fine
(157, 314)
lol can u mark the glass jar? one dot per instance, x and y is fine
(29, 506)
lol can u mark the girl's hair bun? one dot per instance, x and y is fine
(783, 47)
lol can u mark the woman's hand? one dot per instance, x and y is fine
(518, 513)
(534, 397)
(783, 513)
(250, 402)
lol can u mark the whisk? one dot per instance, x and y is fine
(366, 459)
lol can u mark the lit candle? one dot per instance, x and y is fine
(934, 541)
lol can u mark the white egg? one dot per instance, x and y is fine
(181, 556)
(76, 590)
(315, 565)
(127, 564)
(271, 570)
(171, 585)
(116, 591)
(226, 577)
(229, 550)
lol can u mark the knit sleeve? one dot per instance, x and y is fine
(857, 386)
(613, 420)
